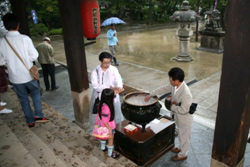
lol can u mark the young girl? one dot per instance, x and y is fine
(107, 114)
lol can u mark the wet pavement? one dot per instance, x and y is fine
(144, 62)
(202, 131)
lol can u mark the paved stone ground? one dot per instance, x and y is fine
(205, 92)
(202, 130)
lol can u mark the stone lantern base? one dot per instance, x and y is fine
(184, 34)
(183, 58)
(212, 41)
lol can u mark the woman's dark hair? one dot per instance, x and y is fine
(176, 74)
(107, 97)
(105, 55)
(10, 21)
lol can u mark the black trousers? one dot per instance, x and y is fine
(49, 70)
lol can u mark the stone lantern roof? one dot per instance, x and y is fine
(184, 14)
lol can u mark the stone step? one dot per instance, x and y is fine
(61, 151)
(12, 151)
(78, 141)
(56, 147)
(36, 147)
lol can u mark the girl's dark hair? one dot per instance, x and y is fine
(104, 55)
(10, 21)
(176, 74)
(107, 97)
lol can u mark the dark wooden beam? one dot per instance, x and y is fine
(233, 117)
(74, 44)
(19, 9)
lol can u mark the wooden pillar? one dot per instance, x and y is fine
(233, 117)
(19, 9)
(76, 60)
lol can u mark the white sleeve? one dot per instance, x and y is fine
(33, 54)
(118, 78)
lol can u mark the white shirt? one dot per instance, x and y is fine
(111, 78)
(23, 45)
(176, 89)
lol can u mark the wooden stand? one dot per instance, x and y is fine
(144, 147)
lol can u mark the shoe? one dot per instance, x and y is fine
(43, 119)
(5, 111)
(3, 103)
(177, 158)
(47, 89)
(175, 150)
(31, 125)
(115, 155)
(55, 88)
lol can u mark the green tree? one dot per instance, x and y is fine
(47, 12)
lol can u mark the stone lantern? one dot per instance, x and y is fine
(184, 17)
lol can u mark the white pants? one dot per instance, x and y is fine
(184, 139)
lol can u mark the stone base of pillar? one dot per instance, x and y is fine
(210, 50)
(216, 163)
(182, 58)
(81, 107)
(212, 41)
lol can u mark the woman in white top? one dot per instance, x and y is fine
(105, 76)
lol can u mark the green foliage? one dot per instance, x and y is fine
(55, 31)
(37, 29)
(47, 12)
(132, 11)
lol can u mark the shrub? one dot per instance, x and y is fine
(37, 29)
(55, 31)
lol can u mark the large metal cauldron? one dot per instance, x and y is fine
(136, 110)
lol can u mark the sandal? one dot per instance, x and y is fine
(115, 155)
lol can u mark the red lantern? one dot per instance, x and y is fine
(90, 18)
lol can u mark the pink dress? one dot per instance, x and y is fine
(106, 116)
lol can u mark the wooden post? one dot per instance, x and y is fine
(76, 60)
(233, 117)
(19, 9)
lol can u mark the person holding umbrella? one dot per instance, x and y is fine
(112, 35)
(112, 42)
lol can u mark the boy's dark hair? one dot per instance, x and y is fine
(107, 97)
(176, 74)
(10, 21)
(105, 55)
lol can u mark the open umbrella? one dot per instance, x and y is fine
(112, 20)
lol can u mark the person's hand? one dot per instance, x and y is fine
(118, 43)
(174, 103)
(117, 90)
(169, 97)
(114, 34)
(146, 99)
